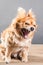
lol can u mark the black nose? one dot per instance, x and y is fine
(31, 28)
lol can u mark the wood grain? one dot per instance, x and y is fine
(35, 56)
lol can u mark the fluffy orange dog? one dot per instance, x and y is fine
(17, 38)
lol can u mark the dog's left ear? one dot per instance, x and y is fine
(31, 14)
(21, 13)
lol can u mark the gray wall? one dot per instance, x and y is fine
(8, 10)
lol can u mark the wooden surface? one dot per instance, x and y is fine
(35, 56)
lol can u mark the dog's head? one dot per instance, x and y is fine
(25, 24)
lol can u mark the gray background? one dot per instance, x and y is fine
(8, 10)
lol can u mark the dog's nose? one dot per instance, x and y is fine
(31, 28)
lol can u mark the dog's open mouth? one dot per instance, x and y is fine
(25, 32)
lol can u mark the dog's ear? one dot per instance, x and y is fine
(21, 13)
(30, 13)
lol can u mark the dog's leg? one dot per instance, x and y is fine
(2, 51)
(8, 54)
(23, 55)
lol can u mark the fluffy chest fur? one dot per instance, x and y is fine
(25, 42)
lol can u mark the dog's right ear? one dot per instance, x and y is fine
(31, 13)
(21, 13)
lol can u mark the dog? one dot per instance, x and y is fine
(17, 38)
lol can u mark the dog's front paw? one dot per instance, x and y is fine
(7, 60)
(24, 60)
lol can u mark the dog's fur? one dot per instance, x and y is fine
(18, 36)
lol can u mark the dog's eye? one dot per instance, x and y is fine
(34, 25)
(19, 21)
(28, 15)
(27, 23)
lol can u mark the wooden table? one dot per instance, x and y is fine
(35, 57)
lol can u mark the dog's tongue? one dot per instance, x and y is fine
(25, 36)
